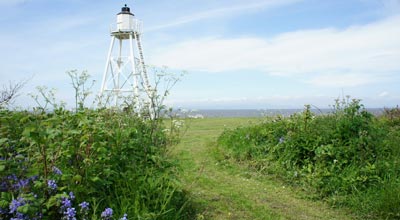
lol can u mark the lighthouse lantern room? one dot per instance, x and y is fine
(125, 20)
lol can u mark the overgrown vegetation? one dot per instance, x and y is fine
(349, 157)
(86, 164)
(10, 92)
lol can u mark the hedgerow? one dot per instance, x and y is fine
(348, 157)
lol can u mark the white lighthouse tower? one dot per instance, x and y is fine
(125, 76)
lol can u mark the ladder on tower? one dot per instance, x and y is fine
(144, 71)
(150, 92)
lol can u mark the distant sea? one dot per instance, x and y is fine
(237, 113)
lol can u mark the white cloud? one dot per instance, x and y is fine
(352, 54)
(222, 12)
(345, 80)
(383, 94)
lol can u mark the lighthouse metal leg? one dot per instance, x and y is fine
(117, 87)
(135, 76)
(104, 83)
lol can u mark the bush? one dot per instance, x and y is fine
(348, 153)
(62, 164)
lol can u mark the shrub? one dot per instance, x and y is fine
(346, 153)
(106, 158)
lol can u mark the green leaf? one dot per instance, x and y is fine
(77, 178)
(38, 184)
(3, 140)
(95, 179)
(2, 168)
(28, 130)
(23, 209)
(52, 201)
(65, 177)
(19, 157)
(6, 195)
(3, 204)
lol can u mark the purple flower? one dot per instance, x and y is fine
(22, 183)
(12, 177)
(65, 203)
(3, 211)
(15, 203)
(125, 217)
(84, 206)
(70, 213)
(34, 178)
(19, 216)
(56, 170)
(3, 185)
(107, 214)
(52, 184)
(71, 195)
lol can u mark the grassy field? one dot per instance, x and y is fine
(220, 189)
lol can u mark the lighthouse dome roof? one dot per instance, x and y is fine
(126, 10)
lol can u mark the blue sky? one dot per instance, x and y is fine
(238, 54)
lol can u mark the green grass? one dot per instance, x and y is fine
(223, 189)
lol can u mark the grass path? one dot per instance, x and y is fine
(230, 191)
